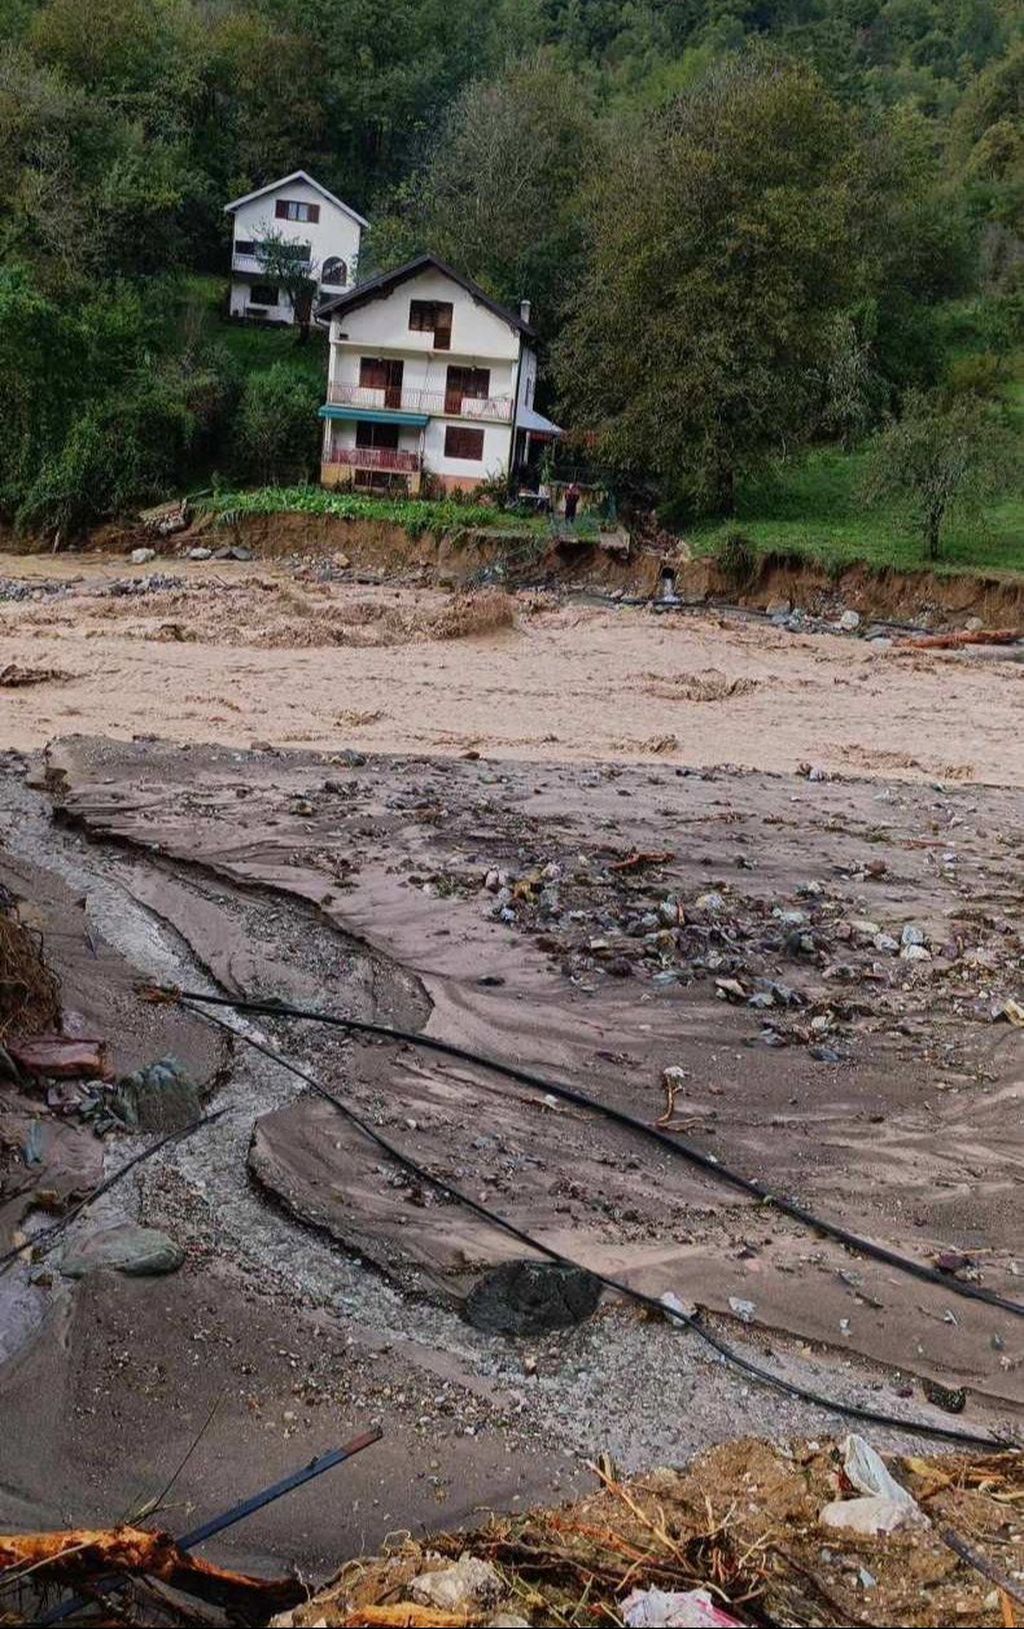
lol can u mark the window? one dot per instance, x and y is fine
(460, 442)
(474, 382)
(289, 209)
(369, 434)
(263, 294)
(334, 271)
(433, 317)
(244, 247)
(380, 373)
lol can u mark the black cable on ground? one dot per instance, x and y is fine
(45, 1239)
(852, 1411)
(707, 1163)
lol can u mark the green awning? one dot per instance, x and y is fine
(374, 415)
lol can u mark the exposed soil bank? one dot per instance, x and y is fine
(876, 592)
(925, 597)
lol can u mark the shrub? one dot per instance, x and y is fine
(277, 430)
(737, 559)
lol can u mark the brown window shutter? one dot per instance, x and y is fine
(314, 213)
(281, 209)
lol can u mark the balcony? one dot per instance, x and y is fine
(384, 458)
(256, 266)
(438, 403)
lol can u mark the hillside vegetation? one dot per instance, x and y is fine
(774, 250)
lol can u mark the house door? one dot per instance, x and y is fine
(381, 373)
(473, 382)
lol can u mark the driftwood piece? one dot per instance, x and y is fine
(82, 1555)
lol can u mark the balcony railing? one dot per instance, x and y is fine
(257, 265)
(438, 403)
(405, 463)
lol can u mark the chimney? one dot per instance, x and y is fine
(524, 310)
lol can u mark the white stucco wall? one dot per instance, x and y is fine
(422, 370)
(479, 339)
(477, 334)
(494, 463)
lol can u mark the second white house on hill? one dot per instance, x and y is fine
(326, 233)
(427, 376)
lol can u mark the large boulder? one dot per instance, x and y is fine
(137, 1251)
(160, 1097)
(530, 1297)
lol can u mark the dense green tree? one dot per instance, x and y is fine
(705, 326)
(278, 430)
(568, 150)
(499, 194)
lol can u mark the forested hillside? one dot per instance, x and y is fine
(748, 228)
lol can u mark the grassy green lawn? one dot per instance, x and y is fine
(814, 509)
(254, 346)
(417, 515)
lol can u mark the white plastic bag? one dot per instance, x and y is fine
(885, 1507)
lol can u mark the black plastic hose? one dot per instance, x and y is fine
(678, 1149)
(851, 1411)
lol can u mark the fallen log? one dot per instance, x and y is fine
(965, 636)
(76, 1557)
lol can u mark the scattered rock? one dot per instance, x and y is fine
(952, 1261)
(59, 1056)
(467, 1585)
(744, 1310)
(713, 903)
(864, 925)
(136, 1251)
(849, 621)
(915, 953)
(142, 557)
(911, 935)
(951, 1398)
(199, 553)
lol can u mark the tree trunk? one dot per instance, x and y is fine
(932, 530)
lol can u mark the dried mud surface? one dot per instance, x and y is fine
(495, 906)
(578, 838)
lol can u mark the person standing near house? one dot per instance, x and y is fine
(572, 502)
